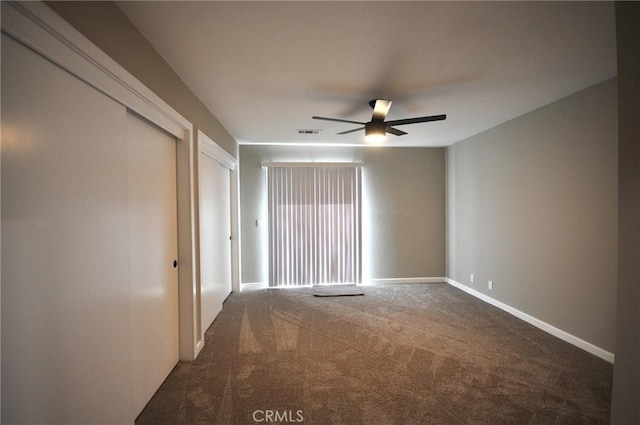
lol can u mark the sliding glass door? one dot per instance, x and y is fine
(314, 224)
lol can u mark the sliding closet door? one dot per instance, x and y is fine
(215, 229)
(66, 304)
(151, 161)
(89, 290)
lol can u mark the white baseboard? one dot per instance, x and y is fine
(558, 333)
(385, 281)
(253, 285)
(394, 280)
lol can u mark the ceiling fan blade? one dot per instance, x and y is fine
(395, 131)
(337, 120)
(380, 109)
(417, 120)
(352, 131)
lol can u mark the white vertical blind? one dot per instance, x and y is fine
(314, 224)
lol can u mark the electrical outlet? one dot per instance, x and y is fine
(490, 285)
(471, 277)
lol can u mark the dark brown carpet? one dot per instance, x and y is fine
(400, 354)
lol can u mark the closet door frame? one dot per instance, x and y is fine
(39, 28)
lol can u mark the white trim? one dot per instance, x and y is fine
(215, 152)
(42, 30)
(266, 164)
(396, 280)
(253, 285)
(39, 28)
(235, 231)
(558, 333)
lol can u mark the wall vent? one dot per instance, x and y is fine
(308, 131)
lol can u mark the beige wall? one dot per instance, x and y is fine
(625, 408)
(532, 206)
(403, 191)
(106, 25)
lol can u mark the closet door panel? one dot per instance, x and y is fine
(151, 159)
(215, 230)
(66, 304)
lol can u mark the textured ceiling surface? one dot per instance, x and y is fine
(265, 68)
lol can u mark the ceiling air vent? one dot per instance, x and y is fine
(308, 131)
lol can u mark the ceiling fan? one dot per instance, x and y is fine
(375, 131)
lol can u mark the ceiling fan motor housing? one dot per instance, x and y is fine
(375, 128)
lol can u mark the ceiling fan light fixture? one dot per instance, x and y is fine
(375, 132)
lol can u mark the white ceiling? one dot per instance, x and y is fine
(264, 68)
